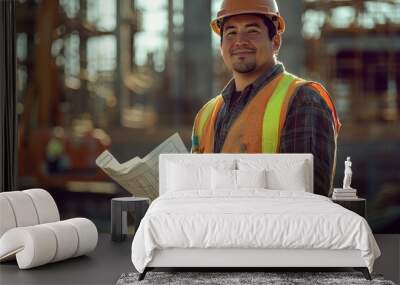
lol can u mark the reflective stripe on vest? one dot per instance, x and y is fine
(270, 127)
(273, 117)
(205, 114)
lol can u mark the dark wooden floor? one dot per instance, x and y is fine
(102, 266)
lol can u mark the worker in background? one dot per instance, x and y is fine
(56, 157)
(265, 109)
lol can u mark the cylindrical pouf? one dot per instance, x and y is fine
(45, 205)
(7, 218)
(67, 239)
(23, 208)
(87, 235)
(34, 246)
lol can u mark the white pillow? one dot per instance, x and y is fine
(206, 161)
(291, 180)
(227, 179)
(186, 174)
(281, 175)
(182, 177)
(251, 178)
(223, 179)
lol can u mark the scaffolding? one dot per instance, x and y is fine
(354, 48)
(66, 82)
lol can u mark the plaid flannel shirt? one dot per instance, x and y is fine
(308, 127)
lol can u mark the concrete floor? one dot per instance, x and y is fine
(102, 266)
(388, 264)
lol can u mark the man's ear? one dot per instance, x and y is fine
(276, 43)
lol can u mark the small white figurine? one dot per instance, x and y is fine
(347, 174)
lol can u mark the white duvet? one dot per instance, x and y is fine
(251, 218)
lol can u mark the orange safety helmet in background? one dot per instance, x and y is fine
(268, 8)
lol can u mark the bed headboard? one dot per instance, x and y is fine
(213, 157)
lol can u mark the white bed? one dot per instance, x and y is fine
(216, 225)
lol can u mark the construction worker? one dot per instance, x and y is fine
(265, 109)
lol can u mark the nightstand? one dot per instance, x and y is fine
(120, 207)
(357, 205)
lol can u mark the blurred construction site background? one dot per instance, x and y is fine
(126, 74)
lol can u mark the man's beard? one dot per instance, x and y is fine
(244, 67)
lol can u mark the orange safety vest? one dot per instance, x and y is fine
(257, 129)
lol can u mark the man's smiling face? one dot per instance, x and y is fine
(246, 46)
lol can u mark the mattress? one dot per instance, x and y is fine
(250, 219)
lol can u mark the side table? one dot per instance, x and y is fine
(357, 205)
(120, 207)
